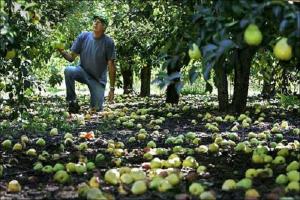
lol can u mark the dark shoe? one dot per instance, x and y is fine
(73, 107)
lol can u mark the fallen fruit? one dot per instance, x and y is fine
(14, 186)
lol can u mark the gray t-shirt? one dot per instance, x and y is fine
(94, 54)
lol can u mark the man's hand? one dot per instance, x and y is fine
(111, 95)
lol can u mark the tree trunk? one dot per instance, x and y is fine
(172, 94)
(145, 81)
(243, 58)
(222, 86)
(127, 75)
(269, 83)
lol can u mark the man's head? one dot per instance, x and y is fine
(98, 16)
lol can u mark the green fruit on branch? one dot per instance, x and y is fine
(194, 52)
(58, 45)
(282, 50)
(10, 54)
(253, 35)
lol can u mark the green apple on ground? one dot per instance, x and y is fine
(196, 189)
(58, 166)
(228, 185)
(293, 186)
(47, 169)
(17, 147)
(80, 168)
(208, 195)
(41, 142)
(164, 185)
(38, 166)
(126, 178)
(245, 183)
(14, 186)
(252, 194)
(61, 176)
(173, 179)
(94, 182)
(293, 175)
(70, 167)
(31, 152)
(281, 179)
(294, 165)
(90, 166)
(112, 176)
(251, 173)
(94, 193)
(139, 187)
(6, 144)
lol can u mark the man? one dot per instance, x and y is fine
(97, 53)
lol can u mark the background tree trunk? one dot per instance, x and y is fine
(127, 75)
(145, 81)
(243, 59)
(222, 86)
(172, 95)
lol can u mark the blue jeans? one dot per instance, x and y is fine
(97, 89)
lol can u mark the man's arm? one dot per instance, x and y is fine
(112, 79)
(68, 56)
